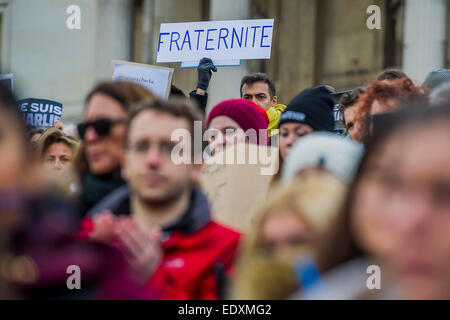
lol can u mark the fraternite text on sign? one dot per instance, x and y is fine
(154, 78)
(217, 40)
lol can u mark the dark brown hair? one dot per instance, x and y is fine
(341, 245)
(259, 77)
(124, 92)
(177, 107)
(349, 99)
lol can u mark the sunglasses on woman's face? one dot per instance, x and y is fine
(102, 126)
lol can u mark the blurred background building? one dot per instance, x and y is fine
(315, 42)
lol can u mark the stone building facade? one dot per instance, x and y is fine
(315, 42)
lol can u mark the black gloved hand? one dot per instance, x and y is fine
(205, 68)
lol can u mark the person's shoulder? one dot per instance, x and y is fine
(116, 202)
(220, 231)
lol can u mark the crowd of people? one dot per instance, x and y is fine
(106, 196)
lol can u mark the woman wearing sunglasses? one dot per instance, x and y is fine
(103, 139)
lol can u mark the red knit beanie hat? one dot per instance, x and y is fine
(245, 112)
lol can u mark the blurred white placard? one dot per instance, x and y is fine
(217, 40)
(154, 78)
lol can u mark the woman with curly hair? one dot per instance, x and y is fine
(383, 97)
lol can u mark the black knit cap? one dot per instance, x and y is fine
(313, 107)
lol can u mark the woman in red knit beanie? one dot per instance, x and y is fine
(237, 120)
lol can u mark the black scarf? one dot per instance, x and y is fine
(95, 188)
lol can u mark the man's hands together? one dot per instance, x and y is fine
(140, 247)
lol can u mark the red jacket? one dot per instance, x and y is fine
(187, 270)
(195, 249)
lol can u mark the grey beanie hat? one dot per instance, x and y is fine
(338, 155)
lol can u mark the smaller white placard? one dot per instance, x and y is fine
(154, 78)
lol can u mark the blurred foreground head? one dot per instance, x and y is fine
(152, 173)
(289, 229)
(399, 206)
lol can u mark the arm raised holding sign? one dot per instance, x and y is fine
(205, 70)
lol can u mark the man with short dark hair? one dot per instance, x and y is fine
(259, 88)
(169, 236)
(349, 105)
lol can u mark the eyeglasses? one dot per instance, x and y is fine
(101, 126)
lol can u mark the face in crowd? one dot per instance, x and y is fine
(259, 93)
(290, 132)
(57, 150)
(105, 135)
(149, 169)
(401, 208)
(59, 157)
(354, 127)
(284, 233)
(235, 121)
(231, 133)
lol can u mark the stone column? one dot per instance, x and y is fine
(425, 36)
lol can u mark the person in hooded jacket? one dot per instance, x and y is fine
(162, 221)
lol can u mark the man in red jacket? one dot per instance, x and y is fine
(162, 222)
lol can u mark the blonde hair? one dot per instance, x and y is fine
(317, 199)
(52, 136)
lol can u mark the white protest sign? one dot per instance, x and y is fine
(154, 78)
(217, 40)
